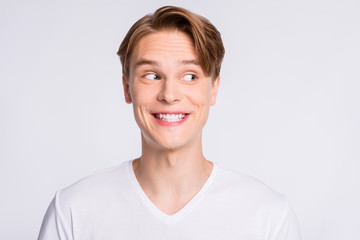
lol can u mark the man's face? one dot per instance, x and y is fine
(170, 93)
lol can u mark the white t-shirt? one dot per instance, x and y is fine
(112, 205)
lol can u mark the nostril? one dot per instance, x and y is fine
(170, 93)
(169, 100)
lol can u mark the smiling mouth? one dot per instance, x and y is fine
(170, 117)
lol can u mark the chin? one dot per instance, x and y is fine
(170, 145)
(163, 144)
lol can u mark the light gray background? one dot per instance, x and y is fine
(287, 111)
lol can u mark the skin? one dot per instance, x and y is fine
(164, 76)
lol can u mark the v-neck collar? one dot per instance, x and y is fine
(174, 218)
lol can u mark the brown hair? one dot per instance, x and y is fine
(207, 39)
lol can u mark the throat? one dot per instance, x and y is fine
(169, 189)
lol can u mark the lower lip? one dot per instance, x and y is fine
(171, 124)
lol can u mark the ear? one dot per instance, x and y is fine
(126, 90)
(214, 91)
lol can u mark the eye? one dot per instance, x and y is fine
(190, 77)
(152, 76)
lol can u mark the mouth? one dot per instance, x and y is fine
(170, 117)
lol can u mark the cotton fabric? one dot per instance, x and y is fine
(110, 205)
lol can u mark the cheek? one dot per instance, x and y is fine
(142, 95)
(199, 96)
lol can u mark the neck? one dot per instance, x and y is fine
(174, 175)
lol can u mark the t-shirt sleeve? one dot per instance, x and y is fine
(289, 227)
(54, 226)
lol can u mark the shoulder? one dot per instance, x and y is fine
(248, 191)
(86, 202)
(95, 187)
(247, 200)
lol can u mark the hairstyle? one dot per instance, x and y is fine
(207, 41)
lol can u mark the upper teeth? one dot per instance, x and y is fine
(170, 117)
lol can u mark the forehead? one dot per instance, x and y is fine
(165, 46)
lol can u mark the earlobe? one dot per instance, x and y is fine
(214, 91)
(126, 90)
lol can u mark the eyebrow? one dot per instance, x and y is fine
(143, 61)
(188, 62)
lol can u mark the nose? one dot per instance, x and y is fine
(170, 92)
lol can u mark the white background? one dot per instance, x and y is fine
(287, 113)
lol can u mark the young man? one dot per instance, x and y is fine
(171, 64)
